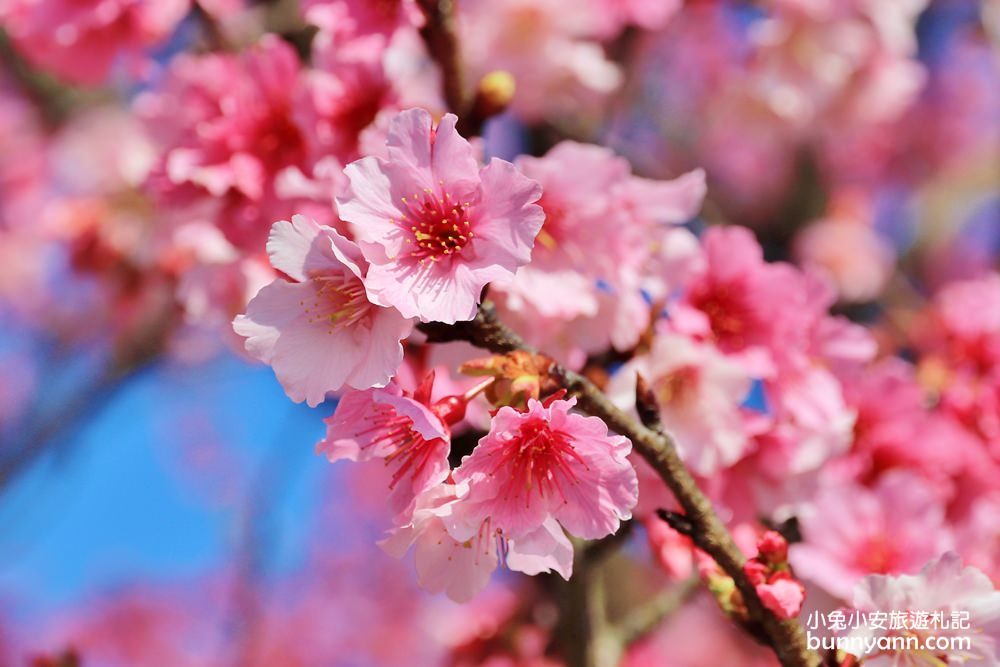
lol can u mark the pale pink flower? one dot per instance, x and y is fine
(434, 226)
(318, 330)
(851, 253)
(549, 46)
(587, 289)
(547, 463)
(699, 392)
(962, 594)
(811, 421)
(977, 536)
(462, 568)
(850, 531)
(405, 430)
(352, 18)
(80, 40)
(587, 191)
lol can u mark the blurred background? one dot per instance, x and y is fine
(160, 501)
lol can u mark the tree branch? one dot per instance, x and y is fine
(442, 44)
(786, 637)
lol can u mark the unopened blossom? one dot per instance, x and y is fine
(547, 462)
(462, 568)
(435, 227)
(318, 330)
(782, 596)
(962, 594)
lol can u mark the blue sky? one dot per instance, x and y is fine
(116, 505)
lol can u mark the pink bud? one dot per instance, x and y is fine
(756, 571)
(783, 597)
(773, 548)
(450, 409)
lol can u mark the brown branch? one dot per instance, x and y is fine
(442, 44)
(786, 638)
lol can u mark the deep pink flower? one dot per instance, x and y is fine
(406, 431)
(318, 330)
(233, 151)
(434, 226)
(548, 462)
(761, 311)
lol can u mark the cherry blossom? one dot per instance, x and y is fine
(547, 462)
(434, 226)
(323, 309)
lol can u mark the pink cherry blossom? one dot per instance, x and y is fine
(412, 436)
(547, 463)
(549, 46)
(699, 392)
(851, 253)
(435, 227)
(232, 149)
(80, 40)
(462, 568)
(318, 330)
(850, 531)
(760, 311)
(943, 585)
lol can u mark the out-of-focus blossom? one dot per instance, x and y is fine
(699, 392)
(434, 226)
(227, 130)
(719, 644)
(849, 532)
(551, 48)
(942, 586)
(80, 41)
(318, 330)
(850, 252)
(581, 273)
(744, 305)
(547, 463)
(462, 568)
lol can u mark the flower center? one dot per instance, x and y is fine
(408, 451)
(727, 316)
(678, 386)
(340, 302)
(538, 460)
(436, 226)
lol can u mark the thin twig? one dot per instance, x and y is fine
(786, 637)
(647, 617)
(442, 44)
